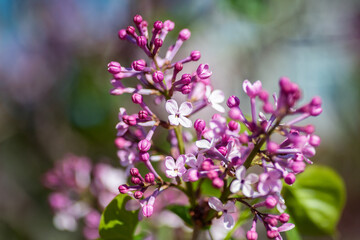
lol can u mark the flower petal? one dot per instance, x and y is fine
(184, 121)
(286, 227)
(170, 163)
(185, 108)
(240, 173)
(173, 120)
(251, 178)
(171, 173)
(245, 85)
(247, 190)
(228, 221)
(235, 186)
(180, 161)
(218, 107)
(230, 207)
(171, 106)
(217, 96)
(203, 144)
(216, 204)
(191, 160)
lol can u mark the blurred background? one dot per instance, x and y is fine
(54, 83)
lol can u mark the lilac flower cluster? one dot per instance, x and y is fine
(80, 192)
(246, 157)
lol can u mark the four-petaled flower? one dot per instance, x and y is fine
(178, 115)
(214, 98)
(229, 207)
(175, 169)
(243, 183)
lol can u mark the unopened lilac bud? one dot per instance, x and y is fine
(184, 34)
(129, 120)
(268, 108)
(158, 25)
(264, 95)
(138, 194)
(141, 41)
(144, 156)
(139, 65)
(272, 147)
(137, 98)
(123, 189)
(186, 89)
(314, 140)
(251, 235)
(199, 125)
(272, 234)
(233, 101)
(309, 129)
(212, 174)
(114, 70)
(195, 55)
(309, 151)
(235, 113)
(316, 101)
(142, 114)
(178, 66)
(169, 25)
(233, 126)
(243, 138)
(137, 19)
(147, 210)
(134, 172)
(298, 167)
(284, 218)
(272, 221)
(185, 78)
(130, 30)
(285, 84)
(222, 150)
(144, 145)
(270, 202)
(158, 42)
(203, 71)
(136, 180)
(158, 76)
(193, 175)
(236, 161)
(149, 178)
(122, 34)
(290, 178)
(217, 183)
(207, 165)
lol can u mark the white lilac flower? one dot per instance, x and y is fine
(214, 98)
(244, 183)
(229, 207)
(175, 169)
(178, 115)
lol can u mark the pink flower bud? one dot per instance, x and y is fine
(158, 25)
(185, 78)
(184, 34)
(212, 174)
(130, 30)
(222, 150)
(272, 234)
(169, 25)
(147, 210)
(235, 113)
(218, 183)
(136, 180)
(144, 156)
(137, 19)
(139, 65)
(290, 178)
(309, 129)
(178, 66)
(251, 235)
(123, 189)
(270, 202)
(158, 76)
(142, 114)
(122, 34)
(149, 178)
(207, 164)
(129, 120)
(144, 145)
(285, 84)
(137, 98)
(264, 95)
(199, 125)
(272, 221)
(193, 175)
(268, 108)
(134, 172)
(195, 55)
(233, 101)
(314, 140)
(284, 218)
(233, 126)
(272, 147)
(141, 41)
(138, 194)
(243, 138)
(298, 167)
(203, 71)
(158, 42)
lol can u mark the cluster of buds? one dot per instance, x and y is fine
(76, 185)
(224, 149)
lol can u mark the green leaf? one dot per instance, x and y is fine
(316, 200)
(116, 222)
(182, 212)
